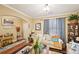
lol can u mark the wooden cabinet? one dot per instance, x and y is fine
(6, 40)
(1, 37)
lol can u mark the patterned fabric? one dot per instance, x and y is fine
(55, 39)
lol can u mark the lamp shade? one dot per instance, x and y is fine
(77, 38)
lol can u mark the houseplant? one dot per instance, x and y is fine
(36, 46)
(73, 18)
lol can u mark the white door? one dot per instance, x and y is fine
(25, 30)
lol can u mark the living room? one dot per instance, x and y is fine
(39, 28)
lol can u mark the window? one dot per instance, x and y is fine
(55, 27)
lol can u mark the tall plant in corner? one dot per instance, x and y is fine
(73, 18)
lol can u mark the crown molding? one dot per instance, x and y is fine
(16, 10)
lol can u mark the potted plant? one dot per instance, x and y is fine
(73, 18)
(36, 47)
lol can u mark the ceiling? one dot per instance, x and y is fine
(36, 10)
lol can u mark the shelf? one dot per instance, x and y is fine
(73, 32)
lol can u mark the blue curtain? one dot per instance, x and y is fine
(52, 27)
(61, 27)
(46, 26)
(55, 27)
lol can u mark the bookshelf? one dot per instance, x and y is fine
(73, 31)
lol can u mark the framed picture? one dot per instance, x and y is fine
(7, 22)
(38, 26)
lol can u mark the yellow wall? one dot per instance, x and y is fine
(11, 29)
(35, 22)
(18, 19)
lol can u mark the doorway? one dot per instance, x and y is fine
(25, 31)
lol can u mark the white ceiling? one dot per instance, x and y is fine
(36, 10)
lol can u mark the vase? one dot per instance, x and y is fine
(36, 50)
